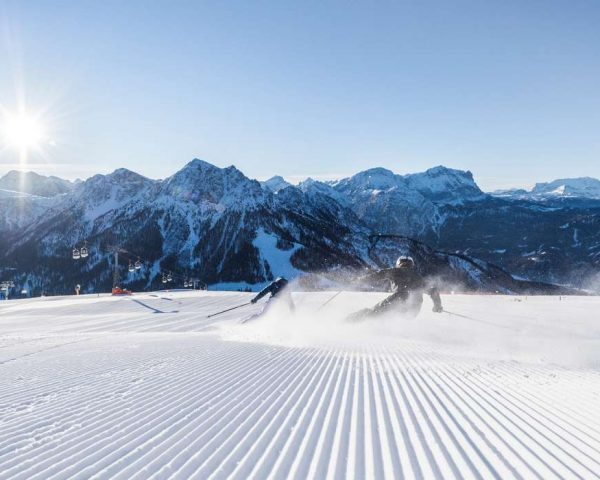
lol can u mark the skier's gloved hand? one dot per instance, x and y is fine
(437, 309)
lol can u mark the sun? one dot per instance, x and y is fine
(22, 131)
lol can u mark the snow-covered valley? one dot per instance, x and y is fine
(148, 387)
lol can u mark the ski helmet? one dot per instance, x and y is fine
(405, 262)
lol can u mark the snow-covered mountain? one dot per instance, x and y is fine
(407, 204)
(582, 188)
(218, 225)
(34, 184)
(276, 183)
(213, 223)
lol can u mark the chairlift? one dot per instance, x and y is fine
(164, 279)
(76, 254)
(169, 277)
(131, 267)
(185, 283)
(137, 265)
(83, 253)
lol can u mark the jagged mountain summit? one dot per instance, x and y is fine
(210, 222)
(406, 204)
(276, 183)
(232, 231)
(33, 184)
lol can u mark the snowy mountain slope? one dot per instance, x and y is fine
(148, 387)
(584, 188)
(276, 183)
(18, 210)
(203, 221)
(570, 187)
(445, 185)
(559, 244)
(385, 202)
(409, 204)
(34, 184)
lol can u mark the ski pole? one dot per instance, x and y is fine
(335, 295)
(459, 315)
(228, 310)
(505, 327)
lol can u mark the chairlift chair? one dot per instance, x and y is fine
(131, 267)
(137, 265)
(76, 254)
(83, 252)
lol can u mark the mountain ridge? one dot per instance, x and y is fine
(206, 219)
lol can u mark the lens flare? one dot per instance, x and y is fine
(22, 131)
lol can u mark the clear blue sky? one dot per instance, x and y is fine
(507, 89)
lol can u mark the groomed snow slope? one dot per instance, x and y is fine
(148, 387)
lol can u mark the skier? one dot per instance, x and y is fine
(279, 294)
(408, 287)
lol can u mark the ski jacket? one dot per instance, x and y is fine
(405, 281)
(273, 288)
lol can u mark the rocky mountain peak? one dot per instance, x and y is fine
(275, 184)
(443, 184)
(34, 184)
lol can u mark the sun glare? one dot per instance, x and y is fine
(22, 132)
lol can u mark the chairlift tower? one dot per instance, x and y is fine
(116, 276)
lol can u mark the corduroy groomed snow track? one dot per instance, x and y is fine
(148, 387)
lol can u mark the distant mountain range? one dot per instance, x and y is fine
(218, 225)
(577, 188)
(31, 183)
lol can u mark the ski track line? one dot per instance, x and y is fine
(533, 433)
(109, 390)
(482, 429)
(227, 423)
(305, 447)
(520, 391)
(98, 385)
(561, 450)
(565, 408)
(545, 423)
(101, 422)
(35, 352)
(465, 432)
(200, 426)
(188, 405)
(504, 414)
(130, 394)
(295, 445)
(104, 377)
(163, 408)
(435, 436)
(316, 439)
(421, 438)
(281, 408)
(52, 388)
